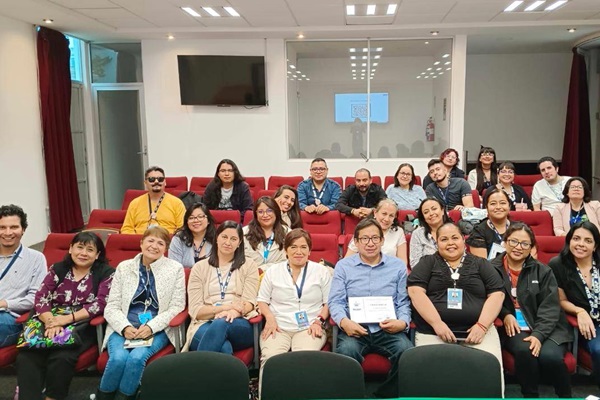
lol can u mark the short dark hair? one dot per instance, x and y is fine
(412, 178)
(506, 165)
(318, 159)
(433, 161)
(448, 223)
(87, 237)
(587, 193)
(152, 169)
(365, 223)
(547, 158)
(185, 234)
(493, 190)
(566, 254)
(296, 234)
(11, 210)
(363, 170)
(239, 257)
(520, 226)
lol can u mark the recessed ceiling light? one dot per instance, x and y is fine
(353, 57)
(438, 69)
(364, 57)
(211, 11)
(377, 57)
(350, 10)
(432, 73)
(353, 70)
(292, 66)
(426, 42)
(352, 49)
(353, 65)
(513, 6)
(292, 79)
(191, 11)
(308, 79)
(379, 49)
(571, 30)
(364, 65)
(365, 49)
(375, 64)
(299, 79)
(362, 78)
(555, 5)
(48, 20)
(289, 72)
(422, 73)
(429, 69)
(295, 76)
(419, 77)
(448, 69)
(433, 33)
(391, 9)
(371, 9)
(373, 71)
(426, 77)
(298, 71)
(436, 63)
(432, 77)
(441, 73)
(446, 55)
(170, 37)
(300, 36)
(535, 5)
(231, 11)
(354, 78)
(448, 63)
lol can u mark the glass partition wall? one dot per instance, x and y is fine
(368, 98)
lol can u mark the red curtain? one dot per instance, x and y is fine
(55, 102)
(577, 147)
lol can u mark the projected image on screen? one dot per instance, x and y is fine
(349, 106)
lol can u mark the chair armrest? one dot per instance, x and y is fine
(256, 320)
(179, 319)
(498, 323)
(331, 322)
(99, 320)
(22, 318)
(572, 320)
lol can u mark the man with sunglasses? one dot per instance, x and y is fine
(318, 194)
(154, 208)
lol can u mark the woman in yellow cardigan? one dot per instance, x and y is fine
(222, 293)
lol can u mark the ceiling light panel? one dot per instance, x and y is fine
(231, 11)
(555, 5)
(513, 6)
(191, 11)
(533, 6)
(211, 11)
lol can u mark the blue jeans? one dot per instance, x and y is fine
(390, 345)
(125, 366)
(9, 329)
(221, 336)
(593, 347)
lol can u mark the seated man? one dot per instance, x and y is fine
(371, 273)
(154, 208)
(22, 271)
(360, 199)
(455, 193)
(547, 192)
(318, 194)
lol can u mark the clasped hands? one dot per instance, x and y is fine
(231, 311)
(143, 332)
(54, 324)
(320, 209)
(356, 330)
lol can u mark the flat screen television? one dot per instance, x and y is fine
(222, 80)
(349, 106)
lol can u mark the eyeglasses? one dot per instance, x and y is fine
(366, 239)
(318, 169)
(268, 211)
(515, 243)
(487, 153)
(579, 187)
(196, 218)
(152, 179)
(506, 171)
(224, 171)
(407, 174)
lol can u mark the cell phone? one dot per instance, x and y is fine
(461, 336)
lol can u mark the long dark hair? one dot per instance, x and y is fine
(412, 178)
(256, 234)
(185, 234)
(587, 193)
(567, 257)
(479, 169)
(237, 175)
(86, 238)
(294, 212)
(423, 223)
(238, 257)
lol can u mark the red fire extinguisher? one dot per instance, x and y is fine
(430, 130)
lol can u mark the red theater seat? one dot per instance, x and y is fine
(198, 184)
(256, 183)
(337, 179)
(121, 247)
(267, 192)
(549, 247)
(389, 180)
(349, 180)
(221, 216)
(527, 182)
(539, 221)
(131, 194)
(275, 182)
(56, 247)
(324, 246)
(177, 182)
(106, 219)
(330, 222)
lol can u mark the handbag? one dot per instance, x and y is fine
(33, 334)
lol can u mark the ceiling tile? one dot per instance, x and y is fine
(83, 3)
(264, 13)
(479, 7)
(126, 23)
(517, 16)
(426, 7)
(107, 13)
(318, 12)
(566, 15)
(461, 17)
(419, 18)
(224, 22)
(580, 5)
(160, 13)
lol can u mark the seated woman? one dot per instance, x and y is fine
(519, 199)
(73, 292)
(193, 241)
(222, 293)
(404, 192)
(577, 273)
(455, 296)
(431, 214)
(287, 199)
(293, 299)
(535, 331)
(146, 293)
(485, 173)
(265, 234)
(394, 243)
(577, 206)
(228, 190)
(450, 160)
(486, 238)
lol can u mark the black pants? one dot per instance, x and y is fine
(528, 369)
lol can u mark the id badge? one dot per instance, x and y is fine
(145, 317)
(318, 202)
(455, 298)
(521, 320)
(302, 319)
(495, 250)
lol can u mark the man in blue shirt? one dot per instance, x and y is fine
(318, 194)
(371, 273)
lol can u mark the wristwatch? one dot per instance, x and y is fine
(320, 320)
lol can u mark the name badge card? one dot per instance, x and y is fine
(455, 299)
(495, 250)
(145, 317)
(302, 319)
(521, 320)
(373, 309)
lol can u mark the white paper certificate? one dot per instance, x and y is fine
(365, 310)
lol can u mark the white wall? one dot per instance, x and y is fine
(21, 161)
(516, 103)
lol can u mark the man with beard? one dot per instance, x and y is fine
(455, 193)
(318, 194)
(360, 199)
(548, 192)
(154, 208)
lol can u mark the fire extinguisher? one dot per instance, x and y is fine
(430, 130)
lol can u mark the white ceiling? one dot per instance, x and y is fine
(489, 29)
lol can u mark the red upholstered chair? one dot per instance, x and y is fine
(527, 182)
(337, 179)
(389, 180)
(350, 222)
(324, 246)
(177, 182)
(330, 222)
(248, 216)
(549, 247)
(275, 182)
(256, 183)
(120, 247)
(131, 194)
(539, 221)
(106, 219)
(266, 192)
(198, 184)
(583, 357)
(454, 215)
(349, 180)
(346, 241)
(8, 355)
(418, 180)
(57, 246)
(373, 364)
(221, 216)
(175, 192)
(476, 200)
(402, 214)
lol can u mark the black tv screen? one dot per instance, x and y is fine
(222, 80)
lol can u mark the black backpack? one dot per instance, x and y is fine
(188, 198)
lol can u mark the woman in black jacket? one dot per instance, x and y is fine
(228, 190)
(536, 332)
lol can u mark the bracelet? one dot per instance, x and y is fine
(482, 326)
(73, 314)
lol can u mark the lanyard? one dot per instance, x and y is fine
(594, 294)
(301, 288)
(577, 217)
(268, 244)
(454, 274)
(12, 261)
(223, 285)
(147, 289)
(198, 250)
(320, 196)
(153, 213)
(444, 193)
(558, 194)
(513, 289)
(498, 235)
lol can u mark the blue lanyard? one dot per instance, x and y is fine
(301, 288)
(592, 295)
(12, 261)
(320, 196)
(198, 250)
(223, 285)
(498, 235)
(268, 245)
(444, 194)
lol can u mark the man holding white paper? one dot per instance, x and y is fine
(366, 288)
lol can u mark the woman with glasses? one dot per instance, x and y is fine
(485, 173)
(287, 199)
(222, 295)
(431, 214)
(193, 241)
(265, 234)
(404, 192)
(519, 199)
(577, 206)
(394, 243)
(577, 272)
(450, 160)
(486, 238)
(535, 331)
(228, 189)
